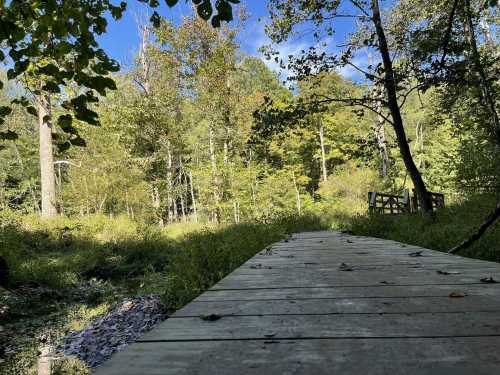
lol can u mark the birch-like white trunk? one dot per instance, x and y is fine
(323, 152)
(297, 194)
(47, 173)
(193, 198)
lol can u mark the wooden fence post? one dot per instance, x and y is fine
(45, 360)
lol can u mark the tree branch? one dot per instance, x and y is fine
(490, 219)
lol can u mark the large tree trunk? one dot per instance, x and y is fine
(47, 173)
(390, 87)
(486, 94)
(323, 152)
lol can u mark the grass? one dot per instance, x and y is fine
(449, 227)
(65, 272)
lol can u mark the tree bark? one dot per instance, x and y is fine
(297, 194)
(323, 153)
(215, 179)
(379, 132)
(193, 198)
(397, 120)
(47, 173)
(155, 195)
(486, 95)
(492, 217)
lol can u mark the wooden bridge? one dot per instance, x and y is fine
(330, 303)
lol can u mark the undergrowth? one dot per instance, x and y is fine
(64, 272)
(447, 228)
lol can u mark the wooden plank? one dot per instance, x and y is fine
(292, 310)
(380, 291)
(328, 326)
(354, 278)
(432, 356)
(340, 306)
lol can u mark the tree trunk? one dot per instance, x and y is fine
(297, 194)
(47, 173)
(170, 200)
(143, 57)
(379, 132)
(390, 87)
(193, 198)
(215, 179)
(486, 94)
(323, 153)
(155, 195)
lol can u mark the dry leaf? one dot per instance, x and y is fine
(489, 280)
(211, 317)
(448, 272)
(345, 267)
(416, 254)
(457, 295)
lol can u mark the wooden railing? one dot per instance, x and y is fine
(436, 198)
(391, 204)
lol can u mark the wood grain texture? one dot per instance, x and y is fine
(294, 309)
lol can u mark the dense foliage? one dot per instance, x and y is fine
(199, 156)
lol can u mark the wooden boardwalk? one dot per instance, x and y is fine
(329, 303)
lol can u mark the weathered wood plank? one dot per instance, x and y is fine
(292, 310)
(387, 291)
(328, 326)
(341, 306)
(441, 356)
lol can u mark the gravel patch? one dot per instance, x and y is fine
(114, 331)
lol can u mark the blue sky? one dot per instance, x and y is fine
(122, 39)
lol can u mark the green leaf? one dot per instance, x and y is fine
(224, 11)
(61, 147)
(8, 135)
(78, 141)
(65, 123)
(5, 111)
(32, 110)
(171, 3)
(155, 19)
(205, 10)
(51, 86)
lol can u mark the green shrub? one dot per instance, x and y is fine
(449, 227)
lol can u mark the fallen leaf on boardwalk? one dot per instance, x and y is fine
(457, 295)
(387, 282)
(345, 267)
(211, 317)
(489, 280)
(256, 266)
(448, 272)
(349, 241)
(269, 335)
(416, 254)
(347, 232)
